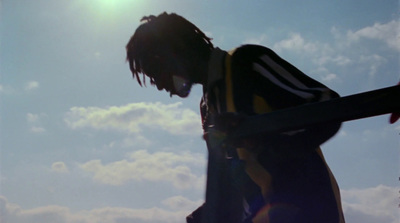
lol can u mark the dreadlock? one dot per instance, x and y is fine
(159, 33)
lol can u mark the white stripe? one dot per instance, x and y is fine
(325, 95)
(257, 67)
(282, 72)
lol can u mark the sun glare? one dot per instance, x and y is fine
(109, 8)
(110, 3)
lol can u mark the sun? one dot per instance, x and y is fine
(113, 4)
(109, 8)
(105, 7)
(110, 3)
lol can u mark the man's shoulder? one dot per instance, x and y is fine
(250, 50)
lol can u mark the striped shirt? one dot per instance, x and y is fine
(285, 175)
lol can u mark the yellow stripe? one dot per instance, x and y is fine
(260, 106)
(253, 168)
(256, 172)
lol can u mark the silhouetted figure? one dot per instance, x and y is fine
(282, 177)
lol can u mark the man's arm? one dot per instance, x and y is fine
(270, 83)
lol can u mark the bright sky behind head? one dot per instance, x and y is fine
(81, 141)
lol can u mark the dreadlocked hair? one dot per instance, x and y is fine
(159, 33)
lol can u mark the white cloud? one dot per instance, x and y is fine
(32, 118)
(345, 53)
(181, 203)
(32, 85)
(34, 122)
(6, 89)
(320, 53)
(36, 129)
(370, 205)
(323, 58)
(256, 40)
(388, 33)
(156, 167)
(329, 78)
(296, 42)
(341, 60)
(126, 215)
(136, 141)
(373, 62)
(133, 117)
(12, 213)
(59, 167)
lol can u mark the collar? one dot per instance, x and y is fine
(215, 66)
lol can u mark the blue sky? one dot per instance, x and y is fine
(81, 141)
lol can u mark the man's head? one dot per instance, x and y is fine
(169, 50)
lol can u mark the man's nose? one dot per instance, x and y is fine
(160, 83)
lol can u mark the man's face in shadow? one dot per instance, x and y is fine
(170, 71)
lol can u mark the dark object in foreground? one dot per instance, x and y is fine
(357, 106)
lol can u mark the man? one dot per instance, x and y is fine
(285, 177)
